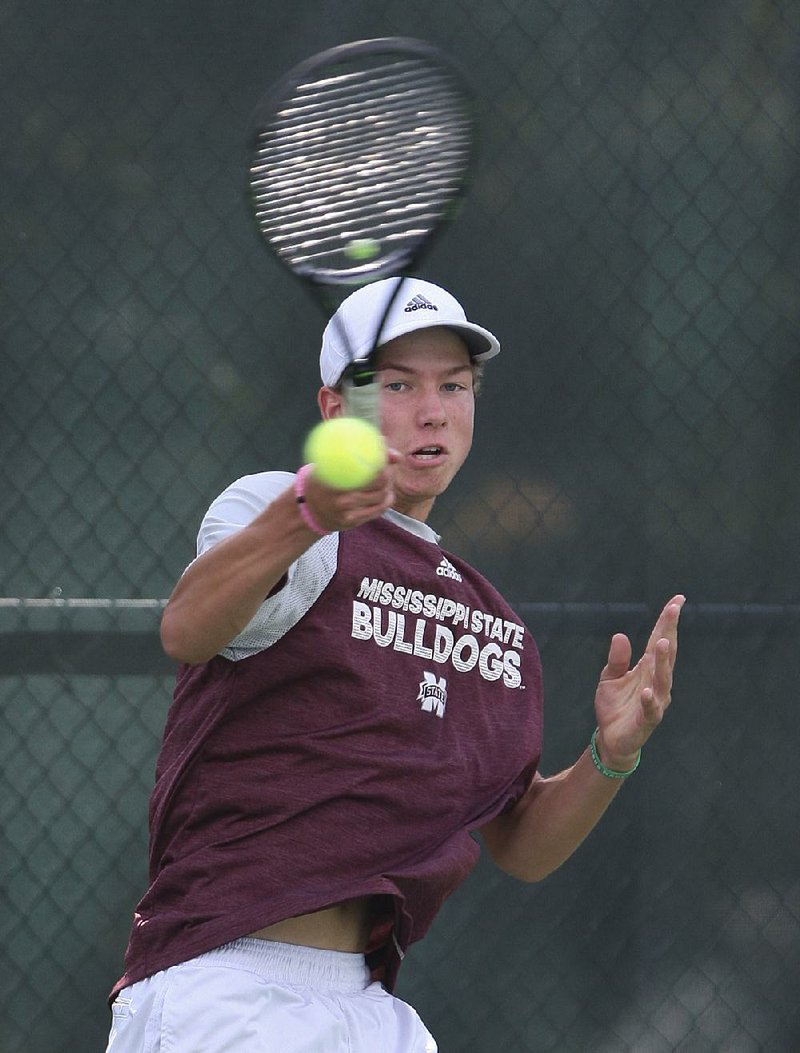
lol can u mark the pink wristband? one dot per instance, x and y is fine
(300, 494)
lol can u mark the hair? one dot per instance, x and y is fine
(477, 376)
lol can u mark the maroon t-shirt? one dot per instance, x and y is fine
(353, 757)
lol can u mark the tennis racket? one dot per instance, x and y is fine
(359, 157)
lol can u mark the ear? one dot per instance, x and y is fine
(330, 402)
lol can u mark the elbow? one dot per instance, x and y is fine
(519, 854)
(527, 871)
(518, 861)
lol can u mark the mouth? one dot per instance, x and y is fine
(428, 454)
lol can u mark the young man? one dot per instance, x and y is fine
(353, 704)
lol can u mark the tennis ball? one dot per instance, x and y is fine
(346, 452)
(362, 249)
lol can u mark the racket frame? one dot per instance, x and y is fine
(331, 286)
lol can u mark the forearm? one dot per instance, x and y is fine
(556, 814)
(552, 819)
(222, 590)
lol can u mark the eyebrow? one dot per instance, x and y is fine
(465, 367)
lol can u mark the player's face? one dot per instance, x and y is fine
(427, 413)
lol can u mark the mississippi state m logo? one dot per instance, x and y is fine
(433, 694)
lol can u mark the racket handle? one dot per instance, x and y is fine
(362, 402)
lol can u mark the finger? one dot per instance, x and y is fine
(619, 657)
(655, 695)
(652, 711)
(666, 626)
(343, 509)
(662, 674)
(373, 490)
(369, 506)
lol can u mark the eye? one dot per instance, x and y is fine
(395, 385)
(453, 385)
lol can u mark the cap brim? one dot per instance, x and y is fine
(482, 344)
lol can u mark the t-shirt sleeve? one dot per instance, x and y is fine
(305, 580)
(239, 505)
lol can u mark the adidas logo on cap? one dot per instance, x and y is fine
(419, 303)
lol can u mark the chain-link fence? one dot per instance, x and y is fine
(632, 236)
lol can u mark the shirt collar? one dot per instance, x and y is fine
(413, 526)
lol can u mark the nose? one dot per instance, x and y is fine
(431, 412)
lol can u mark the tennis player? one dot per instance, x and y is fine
(353, 703)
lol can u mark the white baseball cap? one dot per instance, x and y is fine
(351, 332)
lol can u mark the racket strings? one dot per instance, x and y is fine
(371, 146)
(328, 171)
(413, 108)
(377, 153)
(290, 214)
(378, 210)
(295, 221)
(372, 118)
(398, 81)
(381, 135)
(384, 218)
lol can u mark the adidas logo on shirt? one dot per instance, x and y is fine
(419, 303)
(447, 570)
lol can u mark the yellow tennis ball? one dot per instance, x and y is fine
(362, 249)
(346, 452)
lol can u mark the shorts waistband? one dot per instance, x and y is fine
(288, 963)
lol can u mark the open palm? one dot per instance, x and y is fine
(631, 700)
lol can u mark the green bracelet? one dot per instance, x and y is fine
(608, 772)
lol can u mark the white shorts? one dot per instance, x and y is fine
(256, 996)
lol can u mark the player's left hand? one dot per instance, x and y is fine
(631, 701)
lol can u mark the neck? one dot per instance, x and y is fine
(414, 509)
